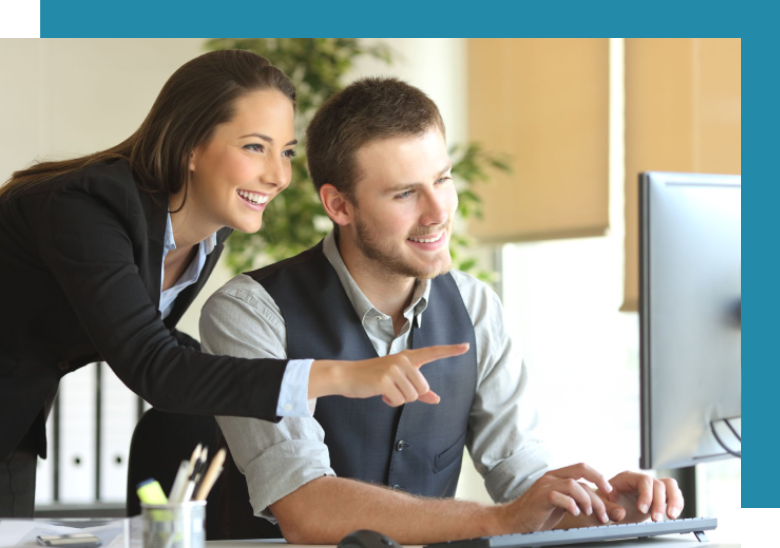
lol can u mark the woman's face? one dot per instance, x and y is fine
(244, 165)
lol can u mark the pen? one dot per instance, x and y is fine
(211, 476)
(194, 459)
(180, 482)
(195, 477)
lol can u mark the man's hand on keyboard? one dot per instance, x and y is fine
(557, 494)
(645, 497)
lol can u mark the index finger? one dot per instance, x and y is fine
(421, 356)
(583, 471)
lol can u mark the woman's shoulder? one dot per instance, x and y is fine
(100, 177)
(107, 184)
(103, 190)
(105, 178)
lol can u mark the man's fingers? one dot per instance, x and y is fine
(583, 471)
(615, 511)
(659, 500)
(598, 505)
(643, 485)
(559, 500)
(581, 495)
(674, 498)
(421, 356)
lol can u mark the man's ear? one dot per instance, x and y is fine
(337, 206)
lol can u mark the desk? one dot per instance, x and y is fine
(671, 541)
(676, 541)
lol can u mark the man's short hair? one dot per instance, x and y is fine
(367, 110)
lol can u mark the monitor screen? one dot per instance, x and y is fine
(690, 318)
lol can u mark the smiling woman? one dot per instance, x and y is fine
(103, 254)
(234, 174)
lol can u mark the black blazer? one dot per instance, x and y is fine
(80, 268)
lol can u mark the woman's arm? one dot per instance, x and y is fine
(185, 340)
(92, 235)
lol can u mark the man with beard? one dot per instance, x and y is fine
(380, 284)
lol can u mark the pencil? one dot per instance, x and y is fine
(211, 476)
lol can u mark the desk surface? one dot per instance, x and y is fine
(16, 532)
(673, 541)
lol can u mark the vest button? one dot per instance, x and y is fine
(63, 365)
(400, 445)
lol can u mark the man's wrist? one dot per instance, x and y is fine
(498, 520)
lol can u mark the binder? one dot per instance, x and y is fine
(118, 420)
(44, 475)
(77, 436)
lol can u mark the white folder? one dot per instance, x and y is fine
(77, 436)
(44, 476)
(118, 419)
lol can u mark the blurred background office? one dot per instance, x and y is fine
(576, 120)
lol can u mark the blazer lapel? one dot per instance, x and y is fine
(185, 298)
(155, 226)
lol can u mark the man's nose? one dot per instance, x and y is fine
(436, 211)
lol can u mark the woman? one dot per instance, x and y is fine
(101, 256)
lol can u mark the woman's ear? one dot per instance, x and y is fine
(337, 206)
(193, 159)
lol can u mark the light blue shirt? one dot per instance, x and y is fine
(295, 382)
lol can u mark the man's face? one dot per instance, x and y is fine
(405, 205)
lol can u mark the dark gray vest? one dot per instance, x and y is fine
(417, 447)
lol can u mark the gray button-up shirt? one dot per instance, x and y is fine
(241, 319)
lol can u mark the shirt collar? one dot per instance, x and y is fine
(169, 243)
(360, 302)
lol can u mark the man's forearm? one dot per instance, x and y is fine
(326, 509)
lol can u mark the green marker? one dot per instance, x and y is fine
(150, 492)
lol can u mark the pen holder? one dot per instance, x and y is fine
(174, 525)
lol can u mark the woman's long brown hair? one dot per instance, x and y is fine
(199, 96)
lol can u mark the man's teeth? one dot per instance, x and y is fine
(253, 197)
(428, 240)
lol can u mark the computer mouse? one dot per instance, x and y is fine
(367, 539)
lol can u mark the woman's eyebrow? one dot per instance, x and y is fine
(267, 138)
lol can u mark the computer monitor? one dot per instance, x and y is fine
(690, 318)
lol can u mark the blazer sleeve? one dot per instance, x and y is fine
(85, 239)
(185, 340)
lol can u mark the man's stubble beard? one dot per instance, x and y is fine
(392, 262)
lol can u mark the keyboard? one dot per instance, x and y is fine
(617, 531)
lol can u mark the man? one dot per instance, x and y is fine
(381, 283)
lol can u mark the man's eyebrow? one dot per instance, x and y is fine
(402, 187)
(447, 168)
(409, 186)
(268, 139)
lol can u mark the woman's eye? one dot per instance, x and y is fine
(289, 154)
(254, 147)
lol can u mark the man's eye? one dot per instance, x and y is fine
(289, 154)
(444, 179)
(404, 195)
(254, 147)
